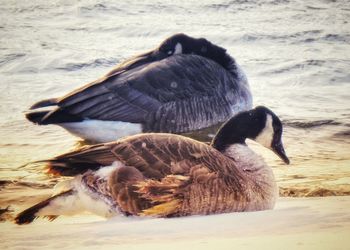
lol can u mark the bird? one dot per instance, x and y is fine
(184, 85)
(169, 175)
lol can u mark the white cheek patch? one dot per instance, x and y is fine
(178, 49)
(266, 135)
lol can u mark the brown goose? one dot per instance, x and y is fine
(184, 85)
(169, 175)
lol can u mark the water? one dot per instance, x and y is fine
(296, 55)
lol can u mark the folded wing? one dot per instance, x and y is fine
(176, 94)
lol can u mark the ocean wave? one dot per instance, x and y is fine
(10, 57)
(337, 38)
(313, 191)
(310, 124)
(295, 35)
(245, 4)
(315, 8)
(15, 192)
(235, 3)
(317, 37)
(25, 184)
(94, 64)
(312, 66)
(101, 8)
(31, 8)
(76, 29)
(6, 214)
(342, 134)
(297, 38)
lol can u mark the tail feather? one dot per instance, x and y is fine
(36, 116)
(55, 116)
(44, 103)
(66, 168)
(49, 208)
(79, 161)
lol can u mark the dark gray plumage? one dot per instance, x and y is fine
(195, 86)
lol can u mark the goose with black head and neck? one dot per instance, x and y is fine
(185, 85)
(168, 175)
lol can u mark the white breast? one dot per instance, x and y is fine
(262, 181)
(245, 158)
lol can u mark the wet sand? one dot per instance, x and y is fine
(295, 223)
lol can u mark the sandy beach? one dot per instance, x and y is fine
(295, 223)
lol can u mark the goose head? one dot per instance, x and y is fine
(259, 124)
(182, 44)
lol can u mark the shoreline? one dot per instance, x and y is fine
(295, 223)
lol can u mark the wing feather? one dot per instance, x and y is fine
(177, 94)
(155, 156)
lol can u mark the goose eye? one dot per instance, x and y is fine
(169, 52)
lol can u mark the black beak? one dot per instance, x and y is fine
(143, 59)
(279, 150)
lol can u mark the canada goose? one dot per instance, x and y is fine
(169, 175)
(185, 84)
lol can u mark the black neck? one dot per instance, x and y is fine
(226, 136)
(236, 130)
